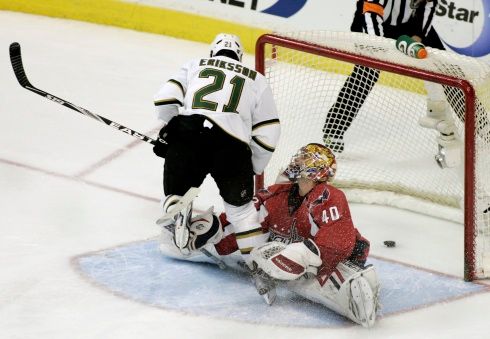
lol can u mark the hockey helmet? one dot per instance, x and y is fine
(313, 161)
(228, 42)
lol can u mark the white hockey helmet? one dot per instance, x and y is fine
(313, 161)
(228, 42)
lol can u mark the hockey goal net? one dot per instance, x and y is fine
(387, 157)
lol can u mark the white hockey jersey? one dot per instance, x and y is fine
(230, 95)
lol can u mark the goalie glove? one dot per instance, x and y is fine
(287, 262)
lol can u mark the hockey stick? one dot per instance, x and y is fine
(182, 233)
(18, 67)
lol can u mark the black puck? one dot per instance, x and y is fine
(389, 243)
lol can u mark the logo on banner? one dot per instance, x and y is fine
(481, 46)
(282, 8)
(285, 8)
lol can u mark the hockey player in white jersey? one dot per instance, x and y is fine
(220, 119)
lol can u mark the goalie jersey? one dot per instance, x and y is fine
(231, 96)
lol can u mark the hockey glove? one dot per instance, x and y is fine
(160, 149)
(287, 262)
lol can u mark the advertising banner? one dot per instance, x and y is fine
(463, 25)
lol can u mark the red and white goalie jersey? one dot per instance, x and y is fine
(323, 215)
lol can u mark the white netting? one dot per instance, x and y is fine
(387, 158)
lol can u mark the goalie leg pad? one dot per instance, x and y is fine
(204, 229)
(179, 223)
(362, 303)
(168, 202)
(207, 253)
(167, 247)
(350, 291)
(358, 294)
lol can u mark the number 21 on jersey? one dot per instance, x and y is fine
(217, 84)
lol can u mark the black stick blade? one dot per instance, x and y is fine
(16, 61)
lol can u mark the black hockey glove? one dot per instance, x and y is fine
(160, 148)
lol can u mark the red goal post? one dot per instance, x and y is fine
(298, 63)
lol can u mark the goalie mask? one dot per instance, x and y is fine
(227, 42)
(313, 161)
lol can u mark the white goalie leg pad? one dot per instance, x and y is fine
(351, 292)
(167, 203)
(167, 247)
(167, 244)
(358, 294)
(207, 254)
(177, 216)
(205, 229)
(245, 223)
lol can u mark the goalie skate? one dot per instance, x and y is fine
(264, 284)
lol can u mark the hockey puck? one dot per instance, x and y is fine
(389, 243)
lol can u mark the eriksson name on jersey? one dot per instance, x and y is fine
(229, 66)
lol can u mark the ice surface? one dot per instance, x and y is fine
(139, 272)
(71, 186)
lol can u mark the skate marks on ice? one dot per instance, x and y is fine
(137, 271)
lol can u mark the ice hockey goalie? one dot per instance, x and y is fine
(313, 249)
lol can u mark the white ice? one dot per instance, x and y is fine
(70, 185)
